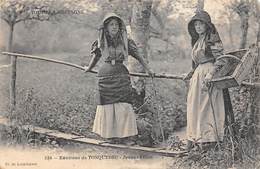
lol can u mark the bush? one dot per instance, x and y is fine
(68, 114)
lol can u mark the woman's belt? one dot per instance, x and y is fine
(113, 62)
(206, 60)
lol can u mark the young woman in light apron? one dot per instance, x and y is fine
(205, 108)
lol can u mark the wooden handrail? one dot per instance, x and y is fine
(251, 84)
(166, 76)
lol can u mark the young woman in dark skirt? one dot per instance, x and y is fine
(115, 118)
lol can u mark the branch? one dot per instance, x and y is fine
(24, 19)
(5, 18)
(6, 21)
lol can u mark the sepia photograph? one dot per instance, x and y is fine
(129, 84)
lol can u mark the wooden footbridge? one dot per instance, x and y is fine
(89, 141)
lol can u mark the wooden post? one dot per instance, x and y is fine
(13, 70)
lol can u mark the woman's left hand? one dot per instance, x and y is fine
(208, 78)
(150, 72)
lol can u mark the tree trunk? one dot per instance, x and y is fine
(230, 30)
(257, 97)
(200, 5)
(13, 70)
(255, 100)
(243, 9)
(140, 23)
(244, 27)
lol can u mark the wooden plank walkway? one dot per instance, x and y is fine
(85, 140)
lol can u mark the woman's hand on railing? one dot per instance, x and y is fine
(187, 76)
(86, 68)
(208, 78)
(150, 72)
(207, 81)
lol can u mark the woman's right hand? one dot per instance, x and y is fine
(86, 68)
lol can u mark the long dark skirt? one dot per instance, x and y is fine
(114, 84)
(115, 115)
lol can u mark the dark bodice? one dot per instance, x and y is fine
(115, 52)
